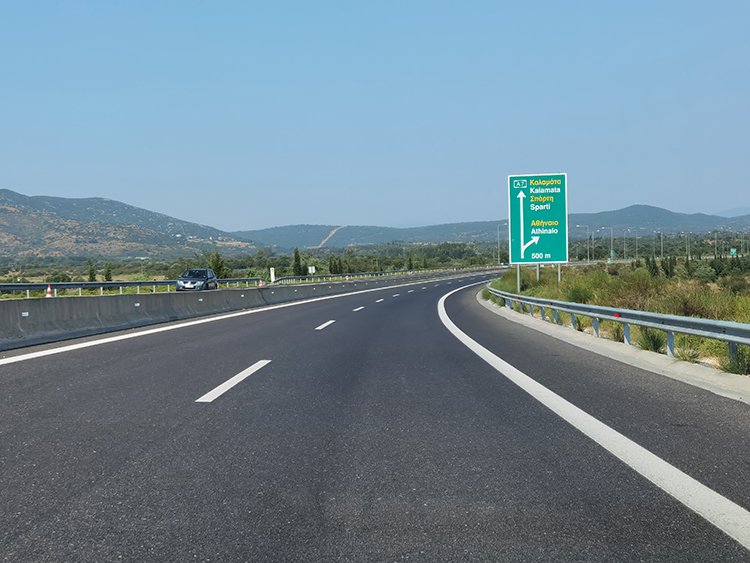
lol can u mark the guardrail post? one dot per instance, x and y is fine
(101, 290)
(670, 343)
(531, 310)
(153, 287)
(595, 323)
(732, 349)
(574, 321)
(626, 333)
(28, 294)
(120, 290)
(556, 315)
(138, 289)
(55, 292)
(79, 291)
(543, 313)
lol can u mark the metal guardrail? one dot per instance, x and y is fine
(726, 331)
(101, 286)
(120, 285)
(361, 275)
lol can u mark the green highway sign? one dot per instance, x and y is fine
(538, 218)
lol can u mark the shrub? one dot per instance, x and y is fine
(579, 294)
(651, 339)
(681, 272)
(582, 323)
(738, 363)
(687, 354)
(617, 332)
(639, 282)
(704, 273)
(736, 283)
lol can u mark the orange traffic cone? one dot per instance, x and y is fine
(260, 283)
(49, 290)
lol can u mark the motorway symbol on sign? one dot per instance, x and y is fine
(538, 218)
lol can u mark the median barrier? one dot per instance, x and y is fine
(27, 322)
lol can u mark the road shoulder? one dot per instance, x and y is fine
(727, 385)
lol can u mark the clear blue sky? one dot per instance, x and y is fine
(245, 115)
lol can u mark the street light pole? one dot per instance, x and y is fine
(716, 244)
(588, 239)
(611, 241)
(498, 244)
(636, 240)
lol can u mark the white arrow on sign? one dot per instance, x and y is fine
(521, 196)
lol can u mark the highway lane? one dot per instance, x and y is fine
(378, 437)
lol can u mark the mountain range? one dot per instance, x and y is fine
(55, 226)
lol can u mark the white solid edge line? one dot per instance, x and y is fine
(726, 515)
(357, 309)
(229, 383)
(149, 331)
(325, 324)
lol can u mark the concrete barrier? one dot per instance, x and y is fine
(27, 322)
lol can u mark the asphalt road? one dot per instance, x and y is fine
(378, 437)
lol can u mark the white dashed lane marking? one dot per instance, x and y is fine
(229, 383)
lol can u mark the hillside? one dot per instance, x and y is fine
(645, 218)
(310, 236)
(54, 226)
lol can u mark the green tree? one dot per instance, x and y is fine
(108, 272)
(667, 266)
(217, 264)
(410, 263)
(652, 267)
(92, 270)
(297, 264)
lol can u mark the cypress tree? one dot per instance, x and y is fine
(297, 264)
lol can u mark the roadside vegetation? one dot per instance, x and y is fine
(388, 258)
(716, 289)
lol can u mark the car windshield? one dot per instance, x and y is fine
(194, 274)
